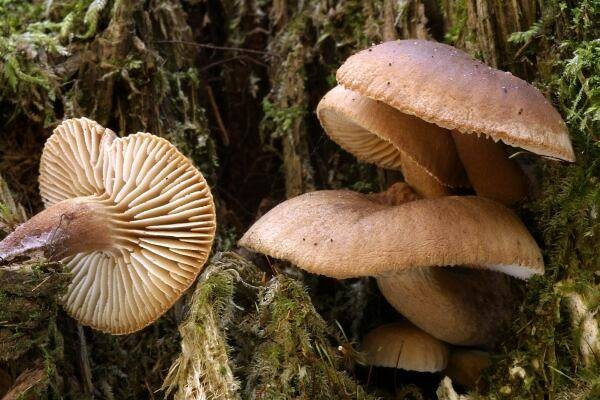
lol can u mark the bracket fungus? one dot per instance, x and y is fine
(479, 105)
(404, 346)
(131, 217)
(377, 133)
(344, 234)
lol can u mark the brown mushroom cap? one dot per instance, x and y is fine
(158, 222)
(404, 346)
(457, 305)
(445, 86)
(377, 133)
(465, 366)
(343, 234)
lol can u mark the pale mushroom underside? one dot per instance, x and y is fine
(161, 216)
(376, 133)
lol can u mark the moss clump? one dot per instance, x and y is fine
(203, 368)
(245, 339)
(294, 358)
(542, 355)
(29, 293)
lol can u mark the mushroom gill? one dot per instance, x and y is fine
(131, 217)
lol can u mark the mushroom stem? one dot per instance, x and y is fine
(465, 366)
(421, 181)
(489, 169)
(459, 306)
(64, 229)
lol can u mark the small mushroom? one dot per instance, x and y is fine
(404, 346)
(131, 217)
(480, 105)
(377, 133)
(465, 366)
(405, 244)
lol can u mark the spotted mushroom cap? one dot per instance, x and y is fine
(445, 86)
(160, 213)
(376, 133)
(404, 346)
(344, 234)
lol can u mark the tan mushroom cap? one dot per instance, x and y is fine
(377, 133)
(404, 346)
(466, 366)
(446, 87)
(343, 234)
(158, 211)
(460, 306)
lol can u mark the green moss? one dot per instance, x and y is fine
(203, 366)
(30, 39)
(458, 22)
(294, 357)
(543, 341)
(277, 121)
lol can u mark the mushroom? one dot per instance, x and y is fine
(457, 305)
(405, 244)
(377, 133)
(404, 346)
(465, 366)
(131, 217)
(480, 105)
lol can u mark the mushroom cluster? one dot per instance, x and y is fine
(131, 217)
(446, 121)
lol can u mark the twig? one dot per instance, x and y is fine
(215, 107)
(85, 361)
(214, 47)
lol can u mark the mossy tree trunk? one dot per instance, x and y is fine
(234, 84)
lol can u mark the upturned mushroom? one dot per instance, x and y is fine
(131, 217)
(377, 133)
(405, 243)
(404, 346)
(479, 105)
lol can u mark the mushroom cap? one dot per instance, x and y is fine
(404, 346)
(343, 234)
(160, 213)
(445, 86)
(465, 366)
(377, 133)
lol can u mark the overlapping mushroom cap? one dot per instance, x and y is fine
(344, 234)
(158, 216)
(377, 133)
(446, 87)
(402, 345)
(405, 242)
